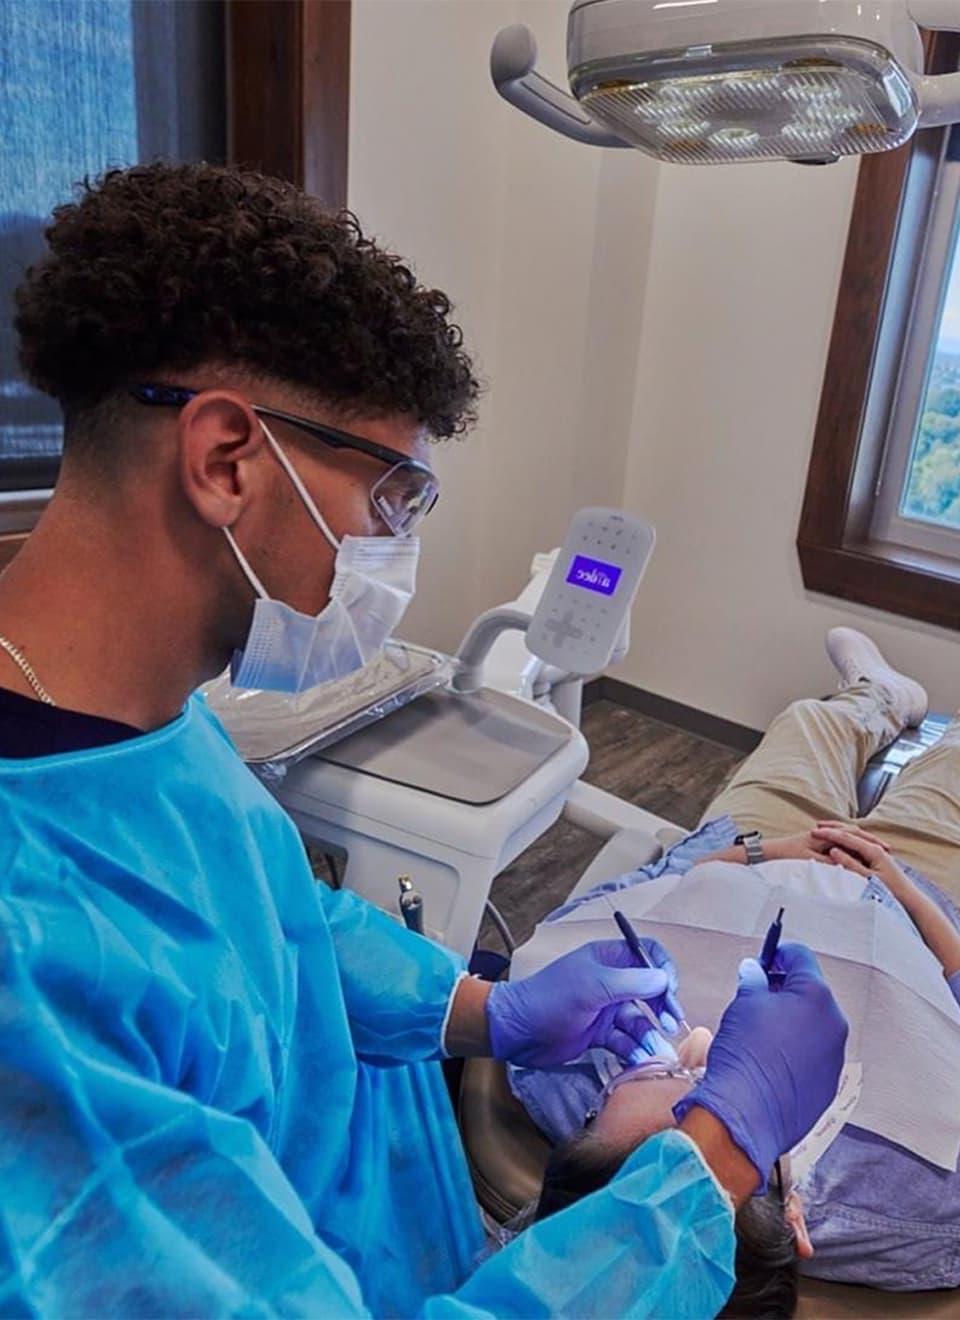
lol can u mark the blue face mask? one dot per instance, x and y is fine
(373, 583)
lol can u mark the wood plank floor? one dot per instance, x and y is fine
(670, 772)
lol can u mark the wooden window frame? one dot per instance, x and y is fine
(288, 91)
(887, 228)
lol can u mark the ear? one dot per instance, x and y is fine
(219, 436)
(793, 1214)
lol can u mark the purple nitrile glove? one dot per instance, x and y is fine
(585, 999)
(775, 1062)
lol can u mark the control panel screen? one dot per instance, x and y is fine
(594, 575)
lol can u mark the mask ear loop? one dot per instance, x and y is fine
(248, 572)
(300, 488)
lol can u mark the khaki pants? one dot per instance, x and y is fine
(807, 768)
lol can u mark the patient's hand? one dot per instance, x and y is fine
(806, 847)
(859, 851)
(862, 852)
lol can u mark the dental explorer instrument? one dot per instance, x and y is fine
(769, 951)
(634, 944)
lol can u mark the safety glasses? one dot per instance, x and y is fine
(650, 1071)
(657, 1069)
(402, 497)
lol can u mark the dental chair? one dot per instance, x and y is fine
(883, 768)
(411, 776)
(507, 1155)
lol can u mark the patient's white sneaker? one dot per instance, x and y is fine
(855, 658)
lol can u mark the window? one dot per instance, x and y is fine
(86, 84)
(918, 491)
(92, 83)
(881, 518)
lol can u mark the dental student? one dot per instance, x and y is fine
(220, 1089)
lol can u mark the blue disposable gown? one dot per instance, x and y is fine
(218, 1082)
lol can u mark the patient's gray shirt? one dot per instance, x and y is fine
(877, 1213)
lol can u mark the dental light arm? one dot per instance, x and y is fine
(939, 15)
(940, 99)
(940, 94)
(512, 59)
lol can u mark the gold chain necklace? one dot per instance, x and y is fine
(26, 668)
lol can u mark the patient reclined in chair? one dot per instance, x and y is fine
(883, 1202)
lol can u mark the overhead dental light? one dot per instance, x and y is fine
(703, 82)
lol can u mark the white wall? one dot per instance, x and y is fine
(739, 305)
(504, 217)
(653, 336)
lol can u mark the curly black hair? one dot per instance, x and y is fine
(164, 267)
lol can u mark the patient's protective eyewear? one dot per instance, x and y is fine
(649, 1071)
(658, 1069)
(402, 497)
